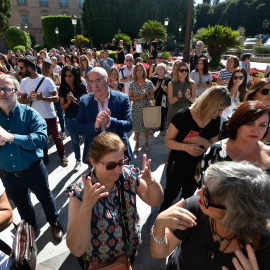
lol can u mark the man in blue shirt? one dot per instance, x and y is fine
(246, 58)
(106, 62)
(23, 135)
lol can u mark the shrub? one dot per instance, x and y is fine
(65, 27)
(262, 50)
(82, 41)
(121, 36)
(17, 37)
(38, 47)
(19, 47)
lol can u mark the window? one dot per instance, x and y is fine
(43, 3)
(21, 2)
(81, 3)
(64, 3)
(25, 20)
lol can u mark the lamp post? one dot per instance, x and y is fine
(56, 30)
(180, 29)
(74, 23)
(166, 23)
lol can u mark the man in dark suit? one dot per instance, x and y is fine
(103, 110)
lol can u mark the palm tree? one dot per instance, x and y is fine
(218, 38)
(153, 30)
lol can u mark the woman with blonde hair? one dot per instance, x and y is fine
(140, 92)
(45, 55)
(114, 77)
(191, 131)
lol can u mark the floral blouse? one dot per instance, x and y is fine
(106, 241)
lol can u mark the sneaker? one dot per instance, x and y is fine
(77, 166)
(63, 135)
(64, 161)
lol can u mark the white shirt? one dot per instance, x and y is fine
(57, 69)
(126, 72)
(46, 109)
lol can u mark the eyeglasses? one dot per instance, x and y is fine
(111, 166)
(83, 59)
(264, 91)
(7, 90)
(238, 77)
(96, 81)
(159, 57)
(206, 198)
(183, 70)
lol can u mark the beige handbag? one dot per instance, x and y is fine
(152, 117)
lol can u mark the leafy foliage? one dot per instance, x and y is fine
(121, 36)
(82, 41)
(5, 14)
(38, 47)
(21, 48)
(15, 37)
(153, 30)
(261, 50)
(65, 27)
(218, 38)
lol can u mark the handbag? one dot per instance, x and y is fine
(121, 263)
(25, 249)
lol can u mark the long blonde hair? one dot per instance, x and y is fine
(177, 67)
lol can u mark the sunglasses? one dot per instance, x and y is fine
(83, 59)
(183, 70)
(112, 166)
(238, 77)
(206, 198)
(264, 91)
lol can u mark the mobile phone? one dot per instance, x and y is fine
(192, 133)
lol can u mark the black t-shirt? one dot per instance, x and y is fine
(194, 60)
(184, 122)
(197, 242)
(159, 92)
(135, 55)
(73, 109)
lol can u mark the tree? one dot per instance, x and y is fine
(153, 30)
(218, 38)
(16, 37)
(121, 36)
(215, 2)
(4, 15)
(82, 41)
(207, 2)
(265, 24)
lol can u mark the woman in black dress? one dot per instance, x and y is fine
(203, 120)
(121, 53)
(133, 49)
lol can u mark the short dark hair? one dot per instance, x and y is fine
(246, 56)
(28, 62)
(249, 111)
(154, 44)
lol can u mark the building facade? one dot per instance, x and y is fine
(29, 12)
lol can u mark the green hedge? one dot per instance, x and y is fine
(16, 37)
(38, 47)
(19, 47)
(65, 27)
(101, 30)
(261, 50)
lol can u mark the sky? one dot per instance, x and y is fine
(200, 1)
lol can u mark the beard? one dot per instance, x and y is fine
(27, 73)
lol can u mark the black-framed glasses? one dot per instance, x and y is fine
(264, 91)
(239, 77)
(183, 70)
(112, 166)
(7, 90)
(206, 198)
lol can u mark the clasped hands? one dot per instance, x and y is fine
(70, 97)
(103, 118)
(187, 94)
(36, 95)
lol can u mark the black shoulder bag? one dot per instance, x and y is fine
(39, 84)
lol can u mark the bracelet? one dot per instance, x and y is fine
(157, 240)
(183, 149)
(238, 99)
(151, 182)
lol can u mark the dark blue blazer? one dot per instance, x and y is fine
(121, 121)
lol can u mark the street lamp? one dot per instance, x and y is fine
(180, 29)
(74, 23)
(56, 30)
(166, 23)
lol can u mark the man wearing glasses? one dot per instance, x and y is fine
(126, 72)
(23, 135)
(103, 110)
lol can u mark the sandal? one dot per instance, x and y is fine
(137, 146)
(146, 147)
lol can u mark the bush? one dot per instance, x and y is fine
(101, 30)
(15, 37)
(126, 39)
(65, 27)
(262, 50)
(19, 47)
(38, 47)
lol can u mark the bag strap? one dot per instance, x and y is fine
(39, 84)
(6, 248)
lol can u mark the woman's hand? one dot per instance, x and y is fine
(70, 97)
(187, 94)
(146, 174)
(243, 263)
(92, 193)
(143, 94)
(193, 150)
(196, 140)
(176, 217)
(179, 95)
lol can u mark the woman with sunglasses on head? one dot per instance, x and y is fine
(99, 203)
(237, 87)
(70, 91)
(201, 76)
(153, 68)
(114, 77)
(247, 127)
(85, 68)
(225, 226)
(190, 133)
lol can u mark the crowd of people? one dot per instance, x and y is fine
(218, 154)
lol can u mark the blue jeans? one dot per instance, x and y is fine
(75, 138)
(60, 115)
(37, 181)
